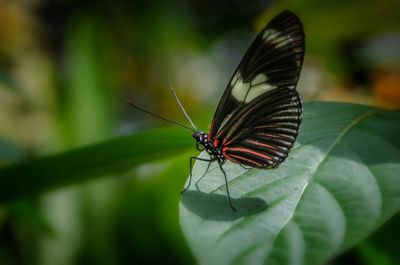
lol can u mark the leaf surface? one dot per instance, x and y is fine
(339, 183)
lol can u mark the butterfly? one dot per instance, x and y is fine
(258, 117)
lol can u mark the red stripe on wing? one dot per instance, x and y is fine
(219, 134)
(242, 160)
(261, 144)
(225, 142)
(246, 150)
(268, 135)
(216, 143)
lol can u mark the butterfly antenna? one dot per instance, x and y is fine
(158, 116)
(183, 110)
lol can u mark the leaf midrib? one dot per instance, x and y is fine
(334, 143)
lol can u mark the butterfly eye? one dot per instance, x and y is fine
(199, 147)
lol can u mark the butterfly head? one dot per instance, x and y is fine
(200, 137)
(202, 141)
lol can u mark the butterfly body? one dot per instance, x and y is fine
(211, 147)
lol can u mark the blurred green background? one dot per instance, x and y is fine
(67, 68)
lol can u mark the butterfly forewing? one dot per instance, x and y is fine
(258, 117)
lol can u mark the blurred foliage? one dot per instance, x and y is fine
(34, 176)
(66, 70)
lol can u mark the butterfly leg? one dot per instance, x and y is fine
(191, 167)
(205, 172)
(227, 188)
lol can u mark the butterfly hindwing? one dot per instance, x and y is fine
(259, 115)
(267, 134)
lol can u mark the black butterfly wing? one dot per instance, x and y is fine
(262, 133)
(258, 117)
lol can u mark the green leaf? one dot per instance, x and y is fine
(339, 183)
(114, 156)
